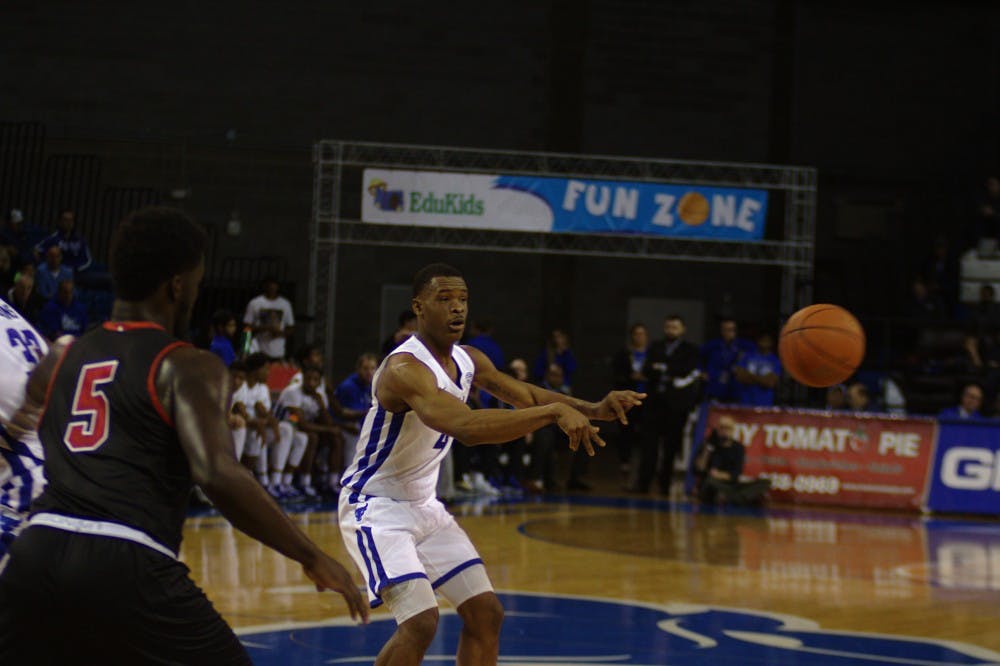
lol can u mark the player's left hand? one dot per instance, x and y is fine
(616, 404)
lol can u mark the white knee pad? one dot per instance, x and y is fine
(409, 598)
(253, 444)
(466, 584)
(278, 451)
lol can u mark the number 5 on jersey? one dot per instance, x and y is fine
(90, 419)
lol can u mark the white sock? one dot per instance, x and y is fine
(286, 479)
(305, 480)
(279, 451)
(239, 440)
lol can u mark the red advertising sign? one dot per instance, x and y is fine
(835, 458)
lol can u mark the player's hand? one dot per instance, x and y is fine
(22, 422)
(616, 404)
(577, 427)
(328, 574)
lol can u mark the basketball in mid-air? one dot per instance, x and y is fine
(821, 345)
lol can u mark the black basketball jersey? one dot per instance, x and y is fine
(111, 450)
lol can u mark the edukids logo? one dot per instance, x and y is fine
(543, 630)
(383, 197)
(429, 202)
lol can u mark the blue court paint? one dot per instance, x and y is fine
(557, 629)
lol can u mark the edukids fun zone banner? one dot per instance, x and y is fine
(838, 459)
(527, 203)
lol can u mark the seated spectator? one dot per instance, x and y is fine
(987, 212)
(237, 418)
(50, 274)
(511, 461)
(940, 272)
(223, 330)
(406, 326)
(547, 440)
(20, 238)
(63, 315)
(719, 465)
(836, 398)
(262, 427)
(75, 253)
(925, 305)
(302, 415)
(310, 355)
(271, 319)
(984, 316)
(757, 374)
(23, 297)
(969, 404)
(858, 398)
(556, 351)
(718, 359)
(353, 399)
(8, 272)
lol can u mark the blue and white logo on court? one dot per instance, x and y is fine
(555, 629)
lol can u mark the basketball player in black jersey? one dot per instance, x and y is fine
(130, 417)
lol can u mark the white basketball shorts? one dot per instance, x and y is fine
(393, 541)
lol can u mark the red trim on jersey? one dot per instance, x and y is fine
(125, 326)
(151, 379)
(52, 382)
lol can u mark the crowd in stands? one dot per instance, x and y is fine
(951, 344)
(43, 275)
(297, 433)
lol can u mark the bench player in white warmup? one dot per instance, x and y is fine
(402, 538)
(21, 474)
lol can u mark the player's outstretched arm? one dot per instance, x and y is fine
(615, 405)
(408, 383)
(25, 419)
(189, 385)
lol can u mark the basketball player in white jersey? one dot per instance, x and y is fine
(21, 474)
(402, 538)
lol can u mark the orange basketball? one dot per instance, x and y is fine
(821, 345)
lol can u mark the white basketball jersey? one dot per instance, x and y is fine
(22, 477)
(397, 455)
(294, 396)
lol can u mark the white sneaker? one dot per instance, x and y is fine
(481, 485)
(309, 491)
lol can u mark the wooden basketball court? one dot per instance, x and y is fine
(619, 580)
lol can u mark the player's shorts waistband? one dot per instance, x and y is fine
(99, 528)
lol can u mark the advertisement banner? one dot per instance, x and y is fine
(966, 475)
(835, 458)
(528, 203)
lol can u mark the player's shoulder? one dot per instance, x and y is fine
(405, 368)
(186, 361)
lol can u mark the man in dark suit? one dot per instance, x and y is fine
(672, 373)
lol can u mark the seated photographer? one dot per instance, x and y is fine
(719, 465)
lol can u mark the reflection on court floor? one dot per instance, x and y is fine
(615, 580)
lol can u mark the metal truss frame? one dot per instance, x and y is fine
(793, 253)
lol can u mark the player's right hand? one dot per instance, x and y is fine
(328, 574)
(577, 427)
